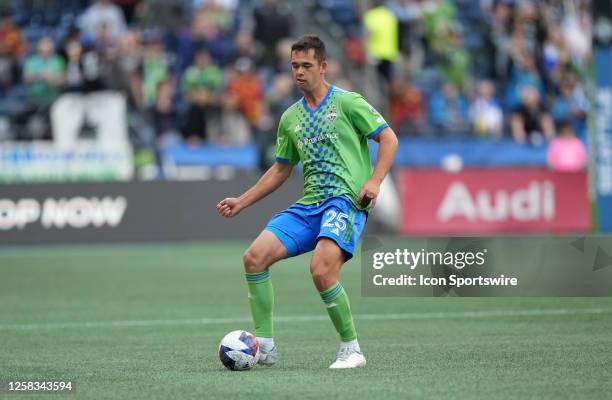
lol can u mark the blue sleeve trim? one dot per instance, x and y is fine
(378, 130)
(282, 160)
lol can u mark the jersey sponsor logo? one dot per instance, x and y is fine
(332, 114)
(324, 136)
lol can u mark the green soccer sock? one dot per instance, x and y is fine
(339, 310)
(261, 300)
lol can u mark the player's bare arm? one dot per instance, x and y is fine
(386, 152)
(274, 177)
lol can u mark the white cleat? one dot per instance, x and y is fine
(268, 358)
(348, 357)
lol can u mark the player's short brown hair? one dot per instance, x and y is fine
(308, 42)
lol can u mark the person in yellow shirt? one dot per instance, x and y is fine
(382, 42)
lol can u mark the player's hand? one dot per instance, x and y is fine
(370, 189)
(229, 207)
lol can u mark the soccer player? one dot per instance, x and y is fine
(328, 131)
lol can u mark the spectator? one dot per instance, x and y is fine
(571, 104)
(497, 37)
(86, 106)
(555, 55)
(157, 85)
(410, 28)
(155, 72)
(244, 99)
(103, 42)
(576, 29)
(272, 23)
(163, 111)
(382, 39)
(73, 34)
(202, 34)
(455, 61)
(449, 111)
(566, 153)
(528, 25)
(486, 113)
(165, 15)
(74, 67)
(531, 121)
(83, 69)
(406, 109)
(9, 70)
(245, 88)
(218, 15)
(10, 37)
(100, 13)
(245, 46)
(124, 75)
(201, 84)
(439, 18)
(524, 74)
(124, 67)
(43, 72)
(11, 49)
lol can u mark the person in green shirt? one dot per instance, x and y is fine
(201, 84)
(327, 131)
(155, 71)
(44, 73)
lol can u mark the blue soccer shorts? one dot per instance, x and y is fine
(300, 226)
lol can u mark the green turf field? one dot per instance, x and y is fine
(144, 321)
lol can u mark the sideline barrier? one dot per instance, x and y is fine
(116, 212)
(479, 201)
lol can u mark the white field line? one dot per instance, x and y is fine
(307, 318)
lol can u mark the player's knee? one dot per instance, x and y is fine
(322, 274)
(253, 261)
(323, 280)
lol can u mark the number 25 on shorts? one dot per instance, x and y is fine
(336, 221)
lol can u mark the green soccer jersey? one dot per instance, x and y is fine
(331, 141)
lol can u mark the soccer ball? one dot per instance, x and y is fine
(239, 350)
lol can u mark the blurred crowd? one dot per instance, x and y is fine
(486, 68)
(217, 70)
(198, 70)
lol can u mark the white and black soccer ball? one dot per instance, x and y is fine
(239, 350)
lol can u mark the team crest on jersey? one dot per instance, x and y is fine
(332, 114)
